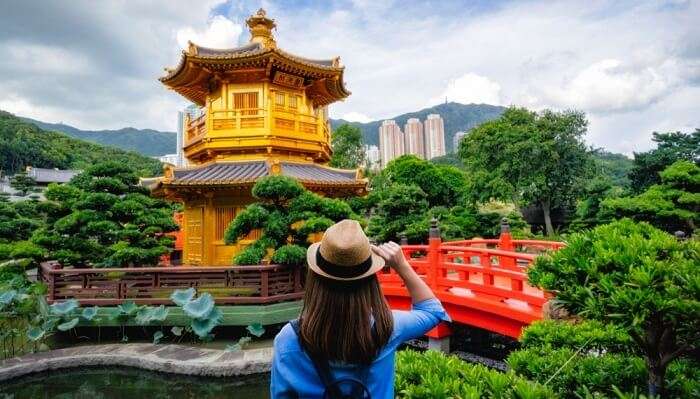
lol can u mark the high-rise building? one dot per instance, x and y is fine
(192, 112)
(372, 157)
(434, 129)
(456, 140)
(391, 141)
(415, 140)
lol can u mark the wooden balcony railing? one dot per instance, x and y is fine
(262, 284)
(255, 118)
(195, 129)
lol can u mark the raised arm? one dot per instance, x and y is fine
(394, 258)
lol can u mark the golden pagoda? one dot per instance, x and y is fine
(264, 112)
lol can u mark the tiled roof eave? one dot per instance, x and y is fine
(248, 55)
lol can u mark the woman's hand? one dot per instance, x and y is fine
(392, 254)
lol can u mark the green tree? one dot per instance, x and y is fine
(615, 167)
(444, 185)
(103, 218)
(588, 210)
(672, 205)
(634, 276)
(23, 183)
(288, 216)
(348, 147)
(527, 158)
(671, 147)
(13, 225)
(402, 210)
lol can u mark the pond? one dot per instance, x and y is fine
(119, 383)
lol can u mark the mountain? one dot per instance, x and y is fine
(457, 117)
(24, 144)
(147, 142)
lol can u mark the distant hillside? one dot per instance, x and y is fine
(24, 144)
(457, 117)
(144, 141)
(616, 166)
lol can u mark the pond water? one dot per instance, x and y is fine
(127, 383)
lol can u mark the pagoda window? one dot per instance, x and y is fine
(293, 102)
(223, 216)
(279, 99)
(246, 103)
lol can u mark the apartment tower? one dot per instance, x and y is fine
(434, 129)
(391, 141)
(415, 140)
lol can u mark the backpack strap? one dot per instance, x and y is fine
(323, 368)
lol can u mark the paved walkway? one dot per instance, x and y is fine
(177, 359)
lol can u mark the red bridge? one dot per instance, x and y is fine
(481, 282)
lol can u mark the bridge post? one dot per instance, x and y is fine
(434, 255)
(438, 337)
(505, 243)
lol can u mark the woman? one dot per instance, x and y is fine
(345, 340)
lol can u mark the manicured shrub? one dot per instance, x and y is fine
(289, 255)
(588, 335)
(277, 189)
(573, 375)
(597, 374)
(636, 277)
(434, 375)
(288, 216)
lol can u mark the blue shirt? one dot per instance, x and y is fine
(293, 373)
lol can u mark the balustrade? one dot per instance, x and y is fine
(260, 284)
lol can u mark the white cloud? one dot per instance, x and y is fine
(220, 32)
(356, 117)
(470, 88)
(610, 86)
(634, 67)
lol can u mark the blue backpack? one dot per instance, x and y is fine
(343, 388)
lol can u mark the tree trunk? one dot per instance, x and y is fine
(657, 373)
(547, 218)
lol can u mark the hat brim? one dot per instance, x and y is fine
(377, 265)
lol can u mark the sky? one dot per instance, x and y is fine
(632, 66)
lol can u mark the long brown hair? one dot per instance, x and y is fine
(336, 320)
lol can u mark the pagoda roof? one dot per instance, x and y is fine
(260, 59)
(240, 173)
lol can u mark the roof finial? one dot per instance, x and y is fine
(260, 27)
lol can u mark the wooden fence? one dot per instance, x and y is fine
(261, 284)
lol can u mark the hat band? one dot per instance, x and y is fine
(342, 271)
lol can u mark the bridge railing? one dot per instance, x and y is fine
(260, 284)
(482, 275)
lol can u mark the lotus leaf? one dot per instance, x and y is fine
(7, 297)
(160, 313)
(89, 313)
(35, 333)
(70, 324)
(157, 336)
(128, 308)
(200, 307)
(182, 297)
(50, 323)
(64, 308)
(256, 329)
(176, 330)
(202, 327)
(144, 316)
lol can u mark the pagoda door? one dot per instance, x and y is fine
(194, 240)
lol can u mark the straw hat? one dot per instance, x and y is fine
(344, 253)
